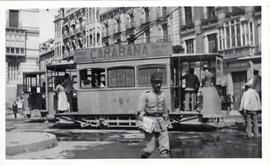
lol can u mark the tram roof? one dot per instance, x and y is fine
(33, 73)
(61, 66)
(195, 57)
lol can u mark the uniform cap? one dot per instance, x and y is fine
(156, 76)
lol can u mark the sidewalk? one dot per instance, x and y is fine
(20, 142)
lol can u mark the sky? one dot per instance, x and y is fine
(46, 24)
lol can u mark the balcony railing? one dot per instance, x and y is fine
(186, 27)
(235, 12)
(210, 20)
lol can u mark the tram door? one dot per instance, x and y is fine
(176, 90)
(239, 78)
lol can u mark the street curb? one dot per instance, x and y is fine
(21, 142)
(9, 128)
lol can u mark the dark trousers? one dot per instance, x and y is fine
(252, 123)
(15, 114)
(69, 98)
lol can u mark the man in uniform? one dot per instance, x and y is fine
(152, 105)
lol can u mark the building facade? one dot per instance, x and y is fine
(132, 25)
(76, 28)
(22, 52)
(234, 32)
(46, 53)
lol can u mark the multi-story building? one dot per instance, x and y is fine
(129, 25)
(76, 28)
(234, 32)
(46, 53)
(22, 36)
(93, 28)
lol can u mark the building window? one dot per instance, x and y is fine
(236, 34)
(144, 74)
(12, 50)
(13, 18)
(17, 50)
(211, 13)
(121, 77)
(189, 46)
(7, 49)
(188, 15)
(212, 43)
(164, 11)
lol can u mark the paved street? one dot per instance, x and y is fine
(98, 144)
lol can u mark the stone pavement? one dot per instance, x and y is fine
(20, 142)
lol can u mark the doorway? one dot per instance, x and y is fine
(239, 79)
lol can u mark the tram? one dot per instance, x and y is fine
(34, 94)
(110, 80)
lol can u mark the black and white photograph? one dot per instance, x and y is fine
(133, 82)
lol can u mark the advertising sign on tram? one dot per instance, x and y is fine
(123, 52)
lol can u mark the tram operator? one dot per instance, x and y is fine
(152, 105)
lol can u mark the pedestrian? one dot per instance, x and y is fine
(67, 84)
(152, 105)
(211, 101)
(191, 89)
(15, 109)
(62, 103)
(256, 83)
(249, 107)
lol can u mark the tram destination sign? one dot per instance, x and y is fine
(144, 50)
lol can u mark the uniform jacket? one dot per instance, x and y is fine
(151, 103)
(250, 101)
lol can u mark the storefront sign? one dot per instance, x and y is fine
(123, 52)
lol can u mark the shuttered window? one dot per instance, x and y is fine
(13, 18)
(121, 77)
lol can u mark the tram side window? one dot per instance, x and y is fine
(144, 74)
(92, 78)
(121, 77)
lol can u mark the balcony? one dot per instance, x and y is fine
(236, 11)
(187, 27)
(237, 52)
(209, 21)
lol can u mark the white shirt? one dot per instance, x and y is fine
(250, 101)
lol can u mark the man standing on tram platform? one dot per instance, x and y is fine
(67, 84)
(191, 89)
(152, 105)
